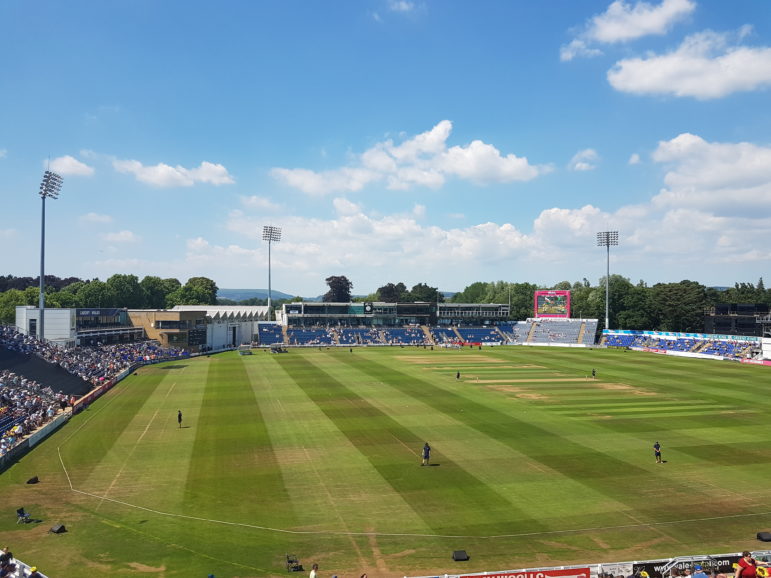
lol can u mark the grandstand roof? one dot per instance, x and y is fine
(227, 311)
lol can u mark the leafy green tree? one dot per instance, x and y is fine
(422, 292)
(637, 310)
(521, 300)
(201, 291)
(471, 294)
(153, 292)
(95, 293)
(339, 289)
(63, 298)
(197, 291)
(390, 293)
(170, 285)
(680, 306)
(126, 291)
(9, 300)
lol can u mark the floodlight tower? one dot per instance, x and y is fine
(49, 189)
(606, 239)
(270, 234)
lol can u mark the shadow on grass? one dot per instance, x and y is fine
(173, 367)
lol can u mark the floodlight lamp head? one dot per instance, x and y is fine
(51, 185)
(607, 238)
(271, 233)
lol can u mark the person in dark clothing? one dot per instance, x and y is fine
(179, 418)
(657, 452)
(426, 454)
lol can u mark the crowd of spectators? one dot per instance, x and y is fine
(26, 405)
(93, 363)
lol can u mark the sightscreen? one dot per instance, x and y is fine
(552, 303)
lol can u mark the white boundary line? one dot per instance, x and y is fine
(393, 534)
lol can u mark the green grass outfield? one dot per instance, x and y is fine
(316, 453)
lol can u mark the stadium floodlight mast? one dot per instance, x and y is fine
(49, 189)
(270, 234)
(606, 239)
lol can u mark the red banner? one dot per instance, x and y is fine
(566, 573)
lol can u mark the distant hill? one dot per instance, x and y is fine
(244, 294)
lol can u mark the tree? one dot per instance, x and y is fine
(339, 290)
(9, 300)
(636, 309)
(153, 292)
(95, 293)
(471, 294)
(390, 293)
(202, 290)
(197, 291)
(126, 291)
(680, 306)
(521, 299)
(422, 292)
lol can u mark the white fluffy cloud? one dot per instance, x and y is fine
(3, 152)
(585, 160)
(95, 218)
(163, 175)
(69, 166)
(624, 21)
(423, 160)
(262, 203)
(733, 178)
(704, 66)
(120, 237)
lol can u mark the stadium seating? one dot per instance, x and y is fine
(358, 336)
(480, 334)
(691, 344)
(304, 336)
(405, 336)
(443, 335)
(270, 333)
(547, 330)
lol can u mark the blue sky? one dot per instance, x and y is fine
(443, 142)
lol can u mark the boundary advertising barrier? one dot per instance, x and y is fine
(660, 568)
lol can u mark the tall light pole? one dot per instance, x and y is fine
(270, 234)
(49, 189)
(606, 239)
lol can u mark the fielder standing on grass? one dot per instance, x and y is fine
(657, 452)
(179, 418)
(426, 454)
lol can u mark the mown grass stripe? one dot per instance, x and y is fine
(599, 470)
(387, 446)
(232, 451)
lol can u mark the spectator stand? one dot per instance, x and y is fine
(269, 333)
(722, 347)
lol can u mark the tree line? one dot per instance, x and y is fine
(117, 291)
(664, 306)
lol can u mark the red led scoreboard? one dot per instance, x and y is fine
(552, 303)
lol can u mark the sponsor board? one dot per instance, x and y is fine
(564, 573)
(655, 569)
